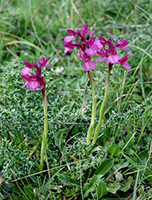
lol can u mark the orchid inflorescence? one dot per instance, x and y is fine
(92, 46)
(107, 51)
(34, 81)
(87, 48)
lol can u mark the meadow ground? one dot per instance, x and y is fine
(118, 165)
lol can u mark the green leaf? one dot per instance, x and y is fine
(46, 187)
(60, 140)
(68, 180)
(48, 184)
(91, 186)
(101, 189)
(105, 166)
(125, 185)
(114, 150)
(6, 187)
(113, 187)
(148, 173)
(29, 191)
(122, 164)
(143, 155)
(130, 160)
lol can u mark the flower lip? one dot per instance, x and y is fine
(25, 71)
(112, 59)
(68, 38)
(89, 65)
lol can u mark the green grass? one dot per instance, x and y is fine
(30, 29)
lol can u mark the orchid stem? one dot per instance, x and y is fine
(44, 136)
(91, 127)
(102, 109)
(91, 83)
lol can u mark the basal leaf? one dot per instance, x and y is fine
(125, 185)
(113, 187)
(29, 191)
(114, 150)
(91, 186)
(143, 155)
(105, 166)
(68, 180)
(101, 189)
(60, 140)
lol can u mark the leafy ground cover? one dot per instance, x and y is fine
(119, 165)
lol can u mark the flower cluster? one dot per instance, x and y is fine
(110, 55)
(34, 81)
(89, 47)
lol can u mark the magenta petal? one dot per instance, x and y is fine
(76, 42)
(33, 85)
(80, 53)
(46, 60)
(84, 28)
(127, 66)
(123, 43)
(25, 71)
(98, 44)
(66, 50)
(35, 65)
(26, 77)
(115, 43)
(102, 40)
(112, 59)
(92, 50)
(71, 32)
(47, 65)
(99, 59)
(89, 65)
(126, 49)
(37, 74)
(109, 40)
(124, 59)
(43, 61)
(68, 38)
(28, 65)
(68, 45)
(89, 51)
(24, 85)
(91, 32)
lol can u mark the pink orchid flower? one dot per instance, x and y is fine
(87, 48)
(110, 55)
(34, 81)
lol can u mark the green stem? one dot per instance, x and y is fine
(44, 136)
(91, 83)
(102, 109)
(91, 127)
